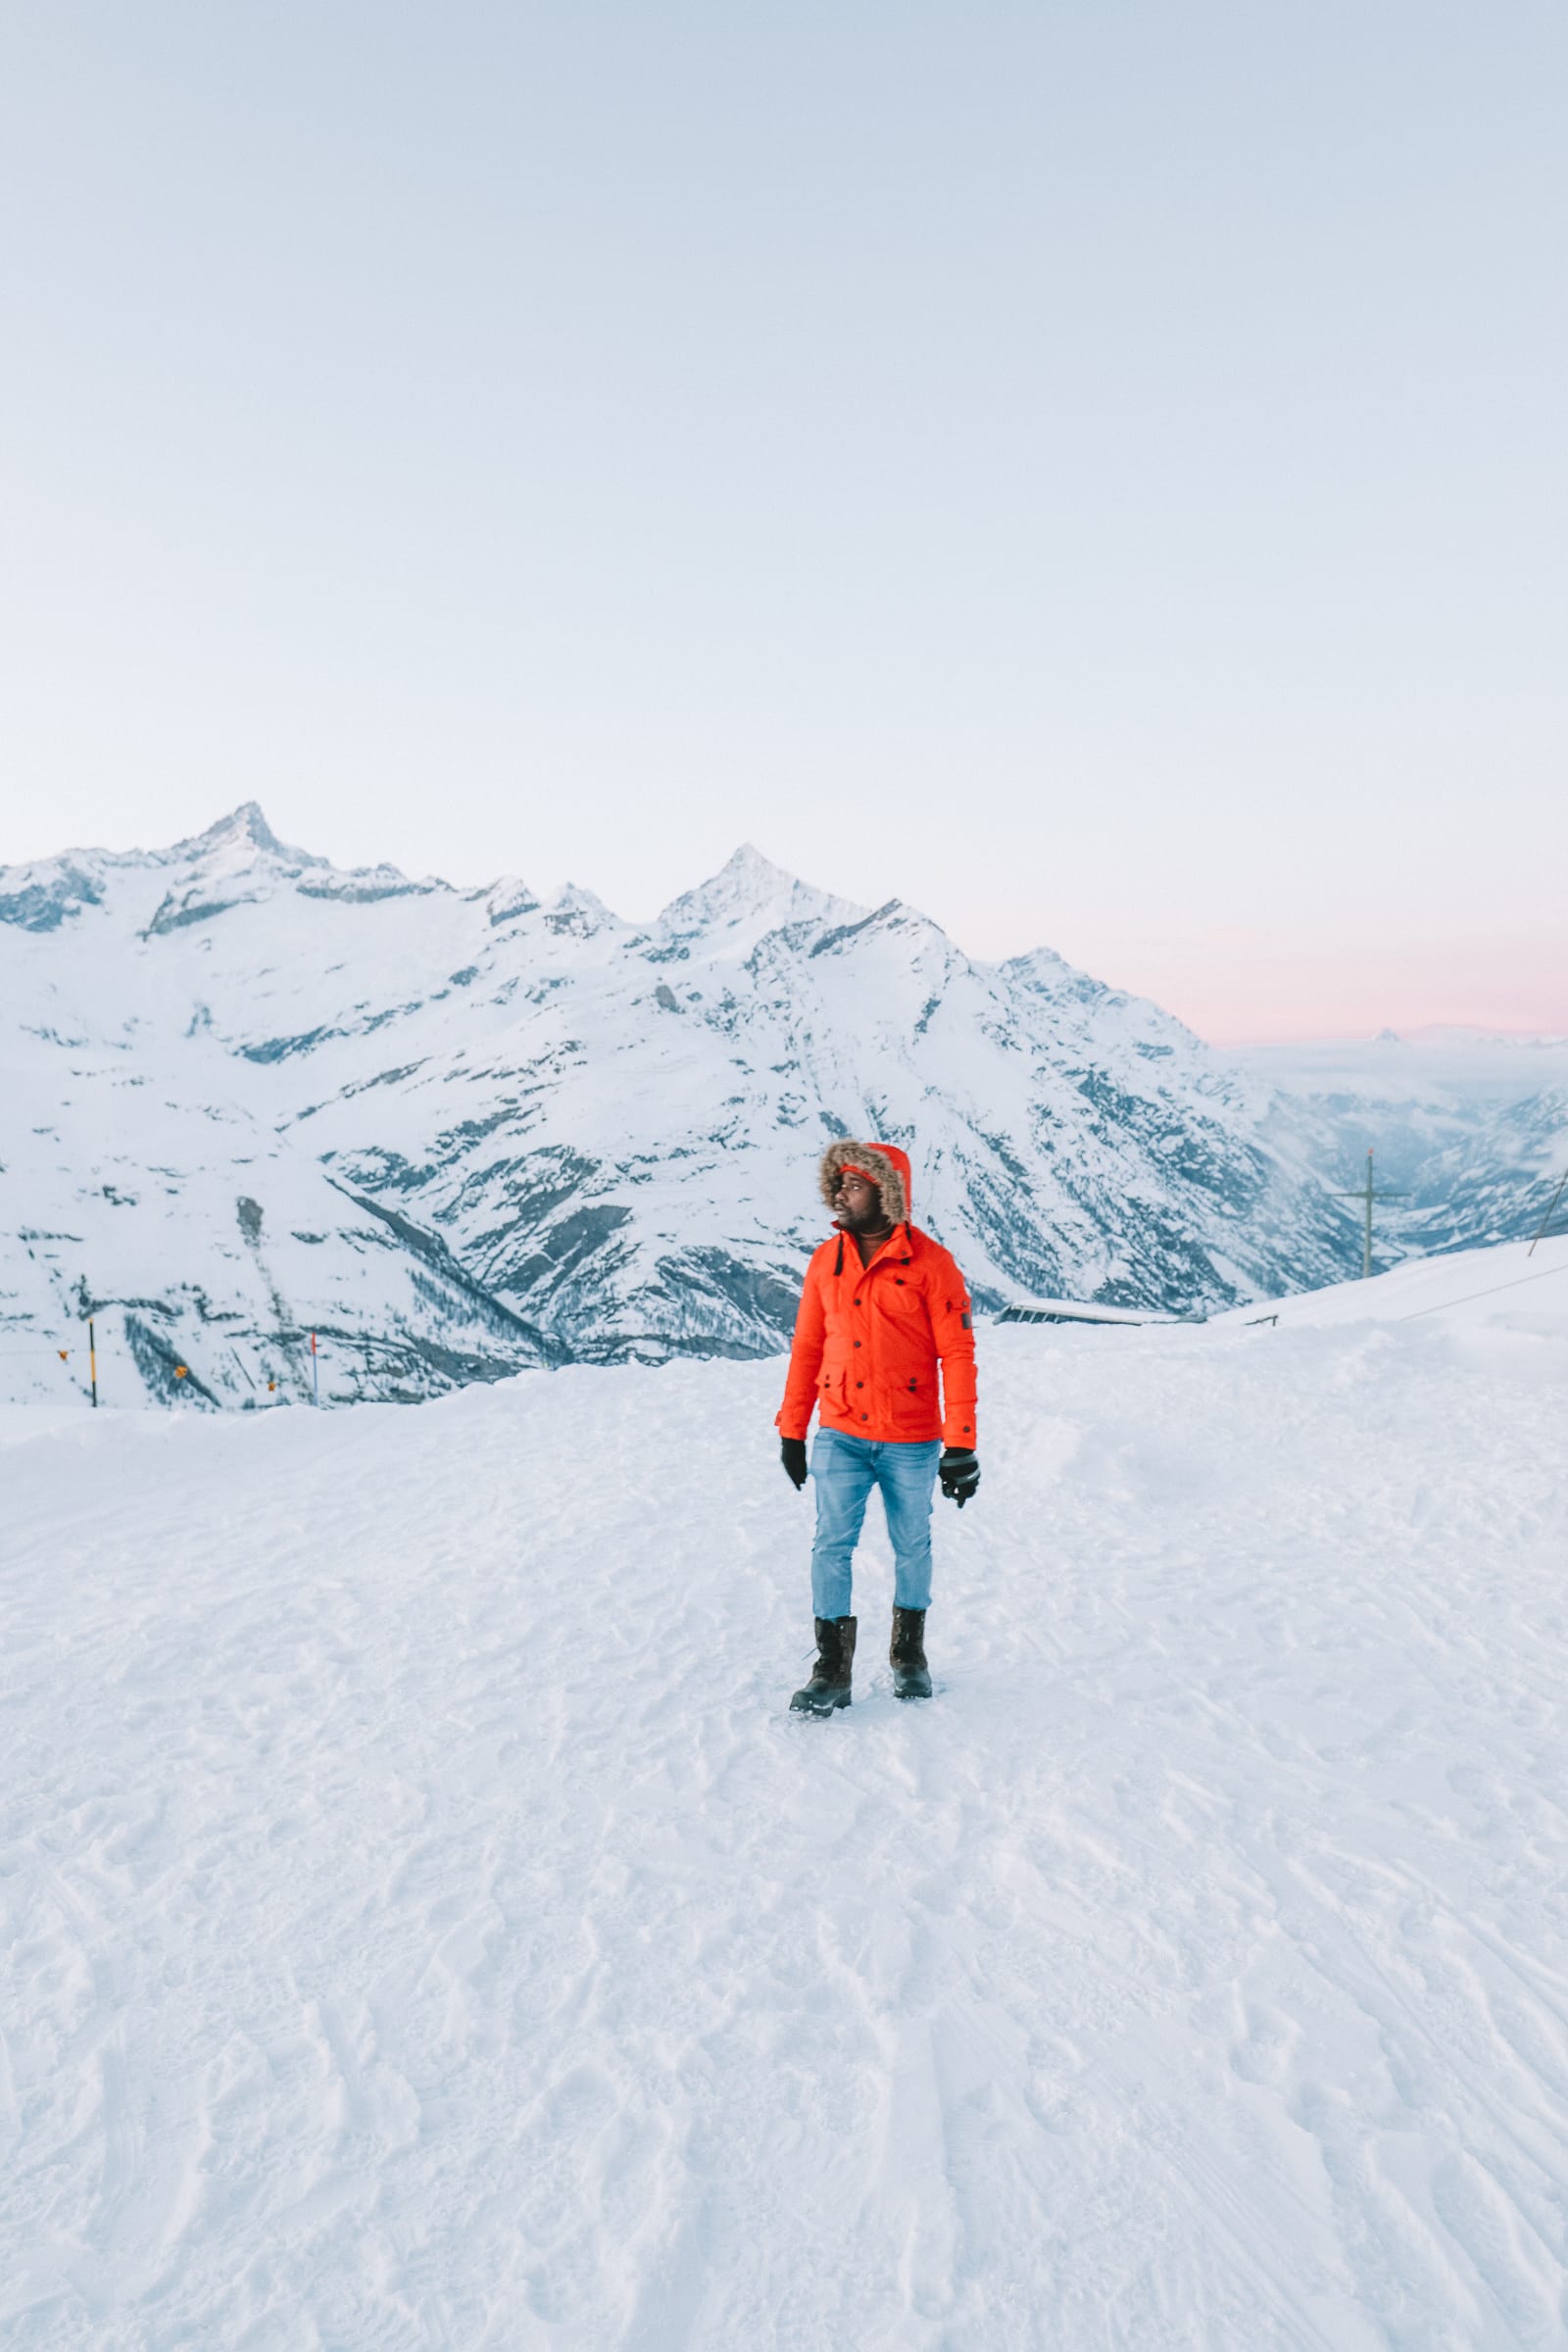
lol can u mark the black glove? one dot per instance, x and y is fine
(791, 1452)
(959, 1472)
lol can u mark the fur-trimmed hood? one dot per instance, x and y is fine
(887, 1166)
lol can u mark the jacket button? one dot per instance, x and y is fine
(865, 1416)
(856, 1342)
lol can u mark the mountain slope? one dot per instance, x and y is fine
(1497, 1183)
(1469, 1128)
(478, 1129)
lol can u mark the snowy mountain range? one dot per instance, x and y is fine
(1440, 1064)
(1469, 1126)
(249, 1096)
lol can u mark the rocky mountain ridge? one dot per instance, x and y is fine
(455, 1131)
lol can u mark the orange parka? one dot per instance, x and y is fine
(868, 1339)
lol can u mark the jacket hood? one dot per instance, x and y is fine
(887, 1166)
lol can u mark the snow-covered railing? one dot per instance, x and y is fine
(1075, 1310)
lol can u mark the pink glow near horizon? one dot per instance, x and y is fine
(1256, 993)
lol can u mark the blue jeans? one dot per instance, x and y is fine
(846, 1469)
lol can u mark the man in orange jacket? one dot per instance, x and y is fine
(883, 1305)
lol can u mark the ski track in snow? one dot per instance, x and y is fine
(423, 1924)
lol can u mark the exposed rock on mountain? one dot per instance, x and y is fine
(457, 1131)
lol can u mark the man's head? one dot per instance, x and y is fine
(857, 1203)
(866, 1187)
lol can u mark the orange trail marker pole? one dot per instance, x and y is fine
(92, 1361)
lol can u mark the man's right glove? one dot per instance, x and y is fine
(792, 1450)
(959, 1472)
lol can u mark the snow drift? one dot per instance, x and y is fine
(1518, 1285)
(421, 1924)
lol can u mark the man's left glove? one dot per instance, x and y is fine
(959, 1472)
(792, 1451)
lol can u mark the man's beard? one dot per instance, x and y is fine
(873, 1219)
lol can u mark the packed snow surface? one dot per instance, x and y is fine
(422, 1923)
(1518, 1285)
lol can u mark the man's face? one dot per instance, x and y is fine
(859, 1205)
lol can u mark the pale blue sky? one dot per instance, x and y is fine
(1095, 471)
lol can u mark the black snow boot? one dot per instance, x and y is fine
(906, 1654)
(829, 1685)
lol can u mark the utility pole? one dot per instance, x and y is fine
(1366, 1193)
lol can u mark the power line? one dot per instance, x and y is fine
(1437, 1308)
(1551, 1211)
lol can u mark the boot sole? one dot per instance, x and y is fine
(828, 1704)
(912, 1690)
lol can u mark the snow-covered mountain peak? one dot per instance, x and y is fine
(239, 861)
(506, 899)
(751, 891)
(1043, 973)
(239, 839)
(50, 891)
(234, 862)
(1041, 965)
(577, 910)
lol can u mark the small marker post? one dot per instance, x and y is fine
(316, 1373)
(92, 1361)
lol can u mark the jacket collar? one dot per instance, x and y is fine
(900, 1243)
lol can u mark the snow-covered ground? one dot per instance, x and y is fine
(1516, 1286)
(422, 1923)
